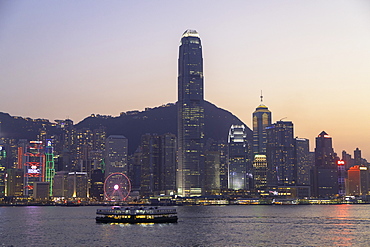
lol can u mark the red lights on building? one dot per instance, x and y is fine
(341, 162)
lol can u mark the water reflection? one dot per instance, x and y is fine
(311, 225)
(342, 234)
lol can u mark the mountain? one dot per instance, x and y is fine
(161, 120)
(21, 128)
(132, 125)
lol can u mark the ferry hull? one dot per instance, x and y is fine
(137, 220)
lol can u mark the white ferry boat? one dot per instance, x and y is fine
(118, 214)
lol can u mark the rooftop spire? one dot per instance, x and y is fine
(261, 97)
(261, 106)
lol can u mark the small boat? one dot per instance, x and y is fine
(132, 215)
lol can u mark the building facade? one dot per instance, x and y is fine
(239, 161)
(168, 163)
(357, 181)
(303, 162)
(325, 173)
(280, 154)
(260, 171)
(116, 154)
(261, 120)
(190, 107)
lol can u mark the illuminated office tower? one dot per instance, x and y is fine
(99, 136)
(157, 164)
(190, 107)
(303, 162)
(83, 145)
(357, 181)
(96, 155)
(342, 174)
(260, 171)
(222, 148)
(261, 120)
(21, 150)
(280, 154)
(34, 167)
(325, 173)
(97, 185)
(116, 154)
(77, 185)
(239, 161)
(14, 182)
(49, 165)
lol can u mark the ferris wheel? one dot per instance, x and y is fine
(117, 187)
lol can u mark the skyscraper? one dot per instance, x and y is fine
(150, 164)
(280, 154)
(168, 163)
(239, 158)
(157, 164)
(260, 171)
(325, 177)
(261, 120)
(34, 166)
(357, 157)
(357, 182)
(116, 154)
(190, 109)
(303, 162)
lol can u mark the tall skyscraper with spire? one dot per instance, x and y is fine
(190, 108)
(261, 119)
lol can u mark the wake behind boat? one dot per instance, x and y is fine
(132, 215)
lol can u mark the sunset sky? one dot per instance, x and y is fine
(311, 59)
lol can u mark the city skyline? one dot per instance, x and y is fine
(310, 60)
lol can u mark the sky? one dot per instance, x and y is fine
(311, 59)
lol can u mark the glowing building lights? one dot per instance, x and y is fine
(49, 165)
(34, 167)
(340, 162)
(190, 116)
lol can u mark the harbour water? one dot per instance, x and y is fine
(260, 225)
